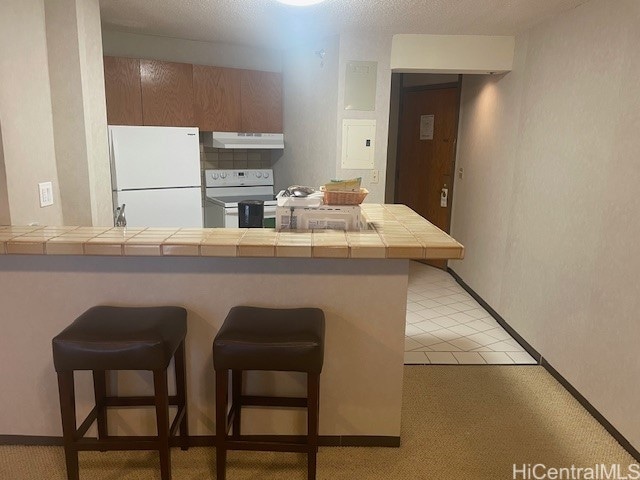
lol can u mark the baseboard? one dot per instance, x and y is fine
(624, 443)
(31, 440)
(209, 440)
(503, 323)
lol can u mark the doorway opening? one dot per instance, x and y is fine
(423, 128)
(444, 324)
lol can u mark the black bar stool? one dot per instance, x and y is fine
(122, 338)
(253, 338)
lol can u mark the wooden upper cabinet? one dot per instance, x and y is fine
(123, 91)
(216, 99)
(261, 94)
(157, 93)
(167, 93)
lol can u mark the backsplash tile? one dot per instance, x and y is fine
(219, 158)
(239, 155)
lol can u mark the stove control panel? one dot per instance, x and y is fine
(238, 178)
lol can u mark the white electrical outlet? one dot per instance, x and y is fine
(46, 193)
(375, 176)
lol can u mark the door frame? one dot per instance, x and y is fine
(418, 88)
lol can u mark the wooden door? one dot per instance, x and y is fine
(216, 98)
(425, 162)
(123, 91)
(261, 94)
(167, 93)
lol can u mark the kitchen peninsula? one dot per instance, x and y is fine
(49, 275)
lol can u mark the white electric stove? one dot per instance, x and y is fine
(225, 188)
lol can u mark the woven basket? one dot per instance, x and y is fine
(344, 198)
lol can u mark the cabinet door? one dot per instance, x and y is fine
(167, 93)
(123, 91)
(261, 95)
(216, 98)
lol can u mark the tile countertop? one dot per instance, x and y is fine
(395, 231)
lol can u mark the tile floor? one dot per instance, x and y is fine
(445, 325)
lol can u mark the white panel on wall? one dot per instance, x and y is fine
(360, 86)
(451, 53)
(358, 143)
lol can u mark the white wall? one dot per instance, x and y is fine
(95, 111)
(122, 44)
(74, 45)
(310, 100)
(25, 112)
(68, 110)
(314, 110)
(451, 53)
(548, 207)
(5, 214)
(52, 112)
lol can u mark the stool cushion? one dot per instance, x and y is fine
(121, 338)
(253, 338)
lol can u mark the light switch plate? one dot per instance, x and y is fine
(375, 176)
(46, 193)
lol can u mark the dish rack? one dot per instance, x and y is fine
(344, 198)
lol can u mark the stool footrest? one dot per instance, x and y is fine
(112, 443)
(136, 401)
(261, 401)
(93, 415)
(124, 442)
(269, 446)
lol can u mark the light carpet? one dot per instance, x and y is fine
(458, 422)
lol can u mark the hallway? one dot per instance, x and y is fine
(445, 325)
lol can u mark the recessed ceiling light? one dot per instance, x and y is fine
(300, 3)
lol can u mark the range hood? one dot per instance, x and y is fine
(242, 140)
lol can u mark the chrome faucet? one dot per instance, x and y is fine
(120, 219)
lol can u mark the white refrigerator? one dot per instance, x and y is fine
(155, 172)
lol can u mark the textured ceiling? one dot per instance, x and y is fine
(266, 23)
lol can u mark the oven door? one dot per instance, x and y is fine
(231, 217)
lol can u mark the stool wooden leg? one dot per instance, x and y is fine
(222, 385)
(162, 419)
(68, 413)
(313, 404)
(236, 393)
(181, 393)
(100, 392)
